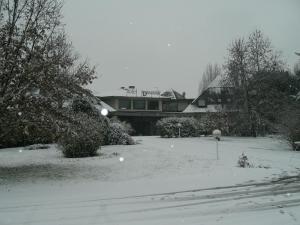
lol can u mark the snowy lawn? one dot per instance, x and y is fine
(158, 181)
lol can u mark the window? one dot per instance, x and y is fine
(170, 106)
(153, 105)
(182, 106)
(201, 103)
(139, 104)
(124, 104)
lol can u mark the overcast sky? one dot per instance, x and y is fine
(167, 43)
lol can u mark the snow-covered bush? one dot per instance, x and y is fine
(82, 138)
(28, 125)
(189, 127)
(213, 121)
(117, 135)
(125, 125)
(83, 105)
(234, 123)
(243, 161)
(112, 131)
(294, 136)
(291, 127)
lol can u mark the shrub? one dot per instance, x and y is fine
(235, 123)
(84, 105)
(213, 121)
(27, 126)
(168, 127)
(82, 138)
(290, 121)
(117, 135)
(293, 135)
(125, 125)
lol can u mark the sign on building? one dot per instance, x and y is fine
(151, 93)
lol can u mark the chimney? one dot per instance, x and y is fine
(183, 94)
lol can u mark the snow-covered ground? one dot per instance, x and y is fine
(160, 181)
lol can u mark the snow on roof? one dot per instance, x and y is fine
(298, 96)
(177, 95)
(127, 92)
(103, 105)
(118, 92)
(195, 109)
(218, 82)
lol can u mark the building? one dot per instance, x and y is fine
(142, 109)
(218, 96)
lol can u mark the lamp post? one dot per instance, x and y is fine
(217, 135)
(179, 127)
(104, 112)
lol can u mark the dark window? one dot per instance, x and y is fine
(201, 103)
(182, 106)
(153, 105)
(139, 104)
(170, 107)
(211, 100)
(124, 104)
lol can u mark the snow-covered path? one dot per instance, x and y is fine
(161, 181)
(275, 202)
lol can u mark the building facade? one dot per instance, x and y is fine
(142, 109)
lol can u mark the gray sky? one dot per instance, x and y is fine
(168, 43)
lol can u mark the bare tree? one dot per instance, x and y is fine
(210, 73)
(297, 66)
(261, 55)
(297, 69)
(247, 58)
(237, 71)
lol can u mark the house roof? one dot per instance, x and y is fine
(127, 92)
(102, 105)
(178, 95)
(210, 108)
(218, 82)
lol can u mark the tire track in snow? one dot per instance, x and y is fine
(169, 203)
(280, 181)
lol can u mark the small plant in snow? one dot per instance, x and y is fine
(243, 161)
